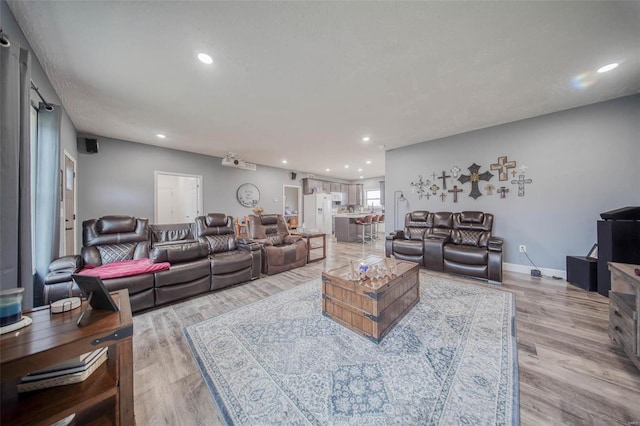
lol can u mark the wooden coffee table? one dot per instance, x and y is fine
(370, 307)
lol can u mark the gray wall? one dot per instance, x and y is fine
(119, 179)
(582, 161)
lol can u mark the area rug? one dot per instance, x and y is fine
(451, 360)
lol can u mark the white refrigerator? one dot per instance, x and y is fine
(317, 213)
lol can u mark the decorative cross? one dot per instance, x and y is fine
(455, 171)
(514, 173)
(443, 196)
(520, 182)
(474, 177)
(489, 188)
(503, 166)
(444, 179)
(455, 191)
(433, 175)
(419, 187)
(503, 192)
(434, 189)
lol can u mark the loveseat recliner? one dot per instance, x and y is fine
(280, 250)
(233, 260)
(459, 243)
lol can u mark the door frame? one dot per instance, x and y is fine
(284, 195)
(155, 190)
(67, 154)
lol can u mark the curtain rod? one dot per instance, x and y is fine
(4, 42)
(47, 105)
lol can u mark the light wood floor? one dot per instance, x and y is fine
(570, 372)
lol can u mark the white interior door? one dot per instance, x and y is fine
(178, 197)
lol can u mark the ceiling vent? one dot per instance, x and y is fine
(232, 161)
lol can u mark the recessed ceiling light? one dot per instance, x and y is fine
(205, 59)
(328, 170)
(608, 67)
(366, 139)
(368, 161)
(161, 136)
(361, 177)
(346, 166)
(359, 170)
(284, 161)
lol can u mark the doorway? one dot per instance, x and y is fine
(69, 203)
(292, 205)
(178, 197)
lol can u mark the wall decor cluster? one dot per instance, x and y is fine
(429, 187)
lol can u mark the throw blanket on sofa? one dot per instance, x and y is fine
(124, 268)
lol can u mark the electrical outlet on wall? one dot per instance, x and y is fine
(523, 248)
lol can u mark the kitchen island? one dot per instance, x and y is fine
(346, 230)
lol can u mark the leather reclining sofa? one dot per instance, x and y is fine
(459, 243)
(177, 260)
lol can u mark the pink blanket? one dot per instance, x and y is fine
(124, 268)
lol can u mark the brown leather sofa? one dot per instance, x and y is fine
(233, 260)
(280, 251)
(459, 243)
(192, 267)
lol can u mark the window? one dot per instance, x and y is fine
(373, 197)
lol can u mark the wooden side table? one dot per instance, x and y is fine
(105, 397)
(624, 305)
(315, 235)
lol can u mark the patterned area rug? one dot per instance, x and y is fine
(451, 360)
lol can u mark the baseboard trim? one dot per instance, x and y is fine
(526, 269)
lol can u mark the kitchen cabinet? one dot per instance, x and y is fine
(359, 194)
(310, 186)
(382, 192)
(326, 187)
(335, 187)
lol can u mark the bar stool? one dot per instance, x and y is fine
(380, 220)
(364, 223)
(374, 227)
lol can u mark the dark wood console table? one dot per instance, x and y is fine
(314, 246)
(105, 397)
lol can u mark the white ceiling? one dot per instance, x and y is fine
(305, 81)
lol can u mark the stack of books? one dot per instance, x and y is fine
(74, 370)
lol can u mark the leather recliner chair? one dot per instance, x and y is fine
(408, 244)
(117, 238)
(189, 274)
(233, 260)
(473, 250)
(281, 251)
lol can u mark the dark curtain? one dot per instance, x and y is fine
(15, 171)
(47, 198)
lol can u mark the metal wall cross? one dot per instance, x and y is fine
(434, 189)
(475, 177)
(443, 196)
(503, 166)
(444, 179)
(503, 192)
(455, 191)
(520, 182)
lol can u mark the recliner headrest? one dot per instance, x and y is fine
(269, 219)
(115, 224)
(216, 219)
(472, 217)
(419, 216)
(442, 220)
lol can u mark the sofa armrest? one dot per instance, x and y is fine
(290, 239)
(60, 269)
(395, 235)
(248, 244)
(495, 244)
(264, 242)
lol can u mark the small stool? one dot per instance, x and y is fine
(374, 227)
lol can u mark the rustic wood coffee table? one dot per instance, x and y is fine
(370, 307)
